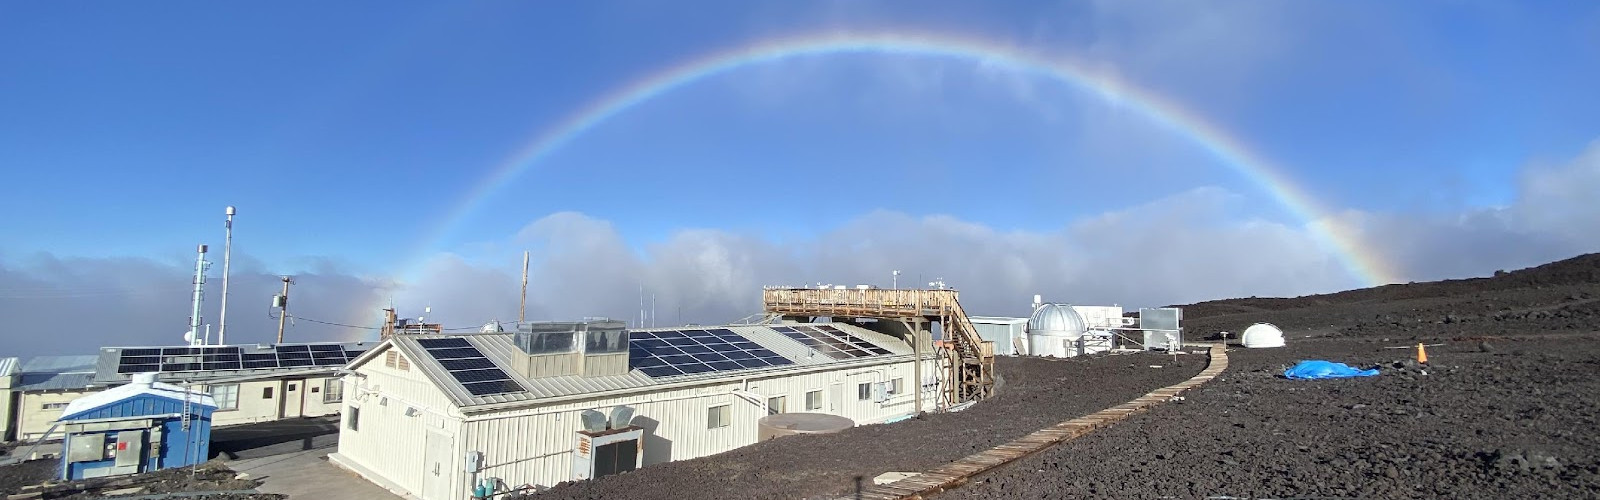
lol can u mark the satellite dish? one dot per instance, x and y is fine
(621, 416)
(188, 336)
(593, 421)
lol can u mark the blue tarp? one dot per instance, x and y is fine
(1318, 369)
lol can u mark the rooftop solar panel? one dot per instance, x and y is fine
(218, 358)
(679, 352)
(476, 373)
(832, 342)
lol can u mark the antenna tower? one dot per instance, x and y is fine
(200, 266)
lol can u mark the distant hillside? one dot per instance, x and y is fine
(1562, 296)
(1580, 270)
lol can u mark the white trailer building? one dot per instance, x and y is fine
(530, 408)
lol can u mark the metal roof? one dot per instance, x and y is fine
(9, 366)
(59, 364)
(54, 381)
(501, 349)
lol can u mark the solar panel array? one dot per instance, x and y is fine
(684, 352)
(469, 366)
(831, 341)
(212, 358)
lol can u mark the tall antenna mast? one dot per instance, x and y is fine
(227, 251)
(523, 308)
(199, 295)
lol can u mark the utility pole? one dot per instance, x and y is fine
(282, 303)
(522, 309)
(227, 251)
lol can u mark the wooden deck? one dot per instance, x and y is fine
(957, 473)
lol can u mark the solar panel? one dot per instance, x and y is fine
(831, 341)
(219, 358)
(679, 352)
(476, 373)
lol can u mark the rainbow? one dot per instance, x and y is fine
(1365, 266)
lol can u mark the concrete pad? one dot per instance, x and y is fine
(307, 474)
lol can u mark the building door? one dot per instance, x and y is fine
(836, 393)
(437, 467)
(614, 458)
(293, 402)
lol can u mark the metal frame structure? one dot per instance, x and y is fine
(969, 359)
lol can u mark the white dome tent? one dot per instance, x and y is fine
(1262, 335)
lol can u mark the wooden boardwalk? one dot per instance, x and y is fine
(957, 473)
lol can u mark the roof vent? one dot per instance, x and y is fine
(594, 421)
(621, 416)
(144, 379)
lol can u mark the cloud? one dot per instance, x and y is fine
(1553, 217)
(65, 305)
(1179, 249)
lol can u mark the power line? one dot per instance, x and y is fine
(330, 323)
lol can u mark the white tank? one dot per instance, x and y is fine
(1262, 335)
(1054, 329)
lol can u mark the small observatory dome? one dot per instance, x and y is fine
(1262, 335)
(1059, 320)
(1054, 330)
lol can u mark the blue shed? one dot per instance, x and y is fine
(140, 427)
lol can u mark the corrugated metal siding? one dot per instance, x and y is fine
(533, 445)
(8, 366)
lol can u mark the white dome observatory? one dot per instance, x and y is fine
(1054, 330)
(1262, 335)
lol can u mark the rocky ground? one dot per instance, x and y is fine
(1036, 393)
(24, 480)
(1505, 408)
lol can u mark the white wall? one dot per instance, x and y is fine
(6, 422)
(387, 442)
(33, 419)
(255, 405)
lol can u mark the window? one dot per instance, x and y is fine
(814, 400)
(777, 404)
(266, 393)
(226, 396)
(54, 406)
(719, 416)
(896, 385)
(353, 422)
(864, 391)
(334, 392)
(291, 387)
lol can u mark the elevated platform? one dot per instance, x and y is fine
(971, 359)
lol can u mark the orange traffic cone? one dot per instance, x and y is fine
(1422, 353)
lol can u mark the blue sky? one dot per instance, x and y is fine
(344, 132)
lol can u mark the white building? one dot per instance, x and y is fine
(1010, 335)
(250, 383)
(515, 403)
